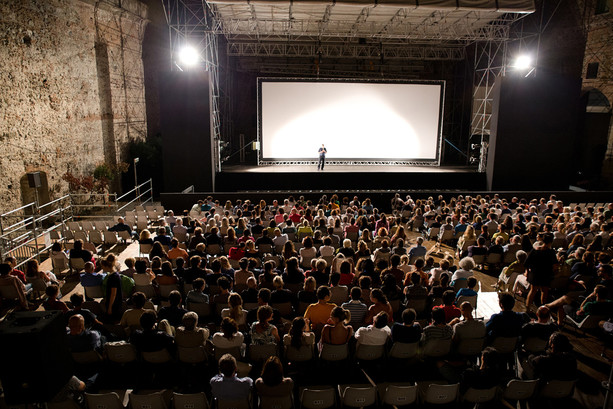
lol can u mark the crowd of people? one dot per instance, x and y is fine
(340, 272)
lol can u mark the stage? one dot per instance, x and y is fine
(348, 177)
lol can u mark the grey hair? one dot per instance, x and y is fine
(467, 263)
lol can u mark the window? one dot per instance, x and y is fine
(592, 71)
(602, 6)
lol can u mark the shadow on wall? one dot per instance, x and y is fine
(28, 184)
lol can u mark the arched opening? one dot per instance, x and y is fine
(28, 193)
(591, 145)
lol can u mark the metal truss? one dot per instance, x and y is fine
(355, 51)
(350, 162)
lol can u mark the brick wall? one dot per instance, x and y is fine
(71, 88)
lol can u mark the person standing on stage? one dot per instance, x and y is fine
(322, 157)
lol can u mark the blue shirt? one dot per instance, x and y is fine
(231, 388)
(418, 251)
(92, 280)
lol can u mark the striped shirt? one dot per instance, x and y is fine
(358, 311)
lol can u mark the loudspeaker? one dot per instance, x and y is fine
(35, 363)
(34, 180)
(185, 118)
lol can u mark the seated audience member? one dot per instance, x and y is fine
(79, 252)
(279, 238)
(414, 290)
(174, 312)
(356, 307)
(480, 249)
(509, 274)
(338, 293)
(419, 250)
(162, 237)
(11, 281)
(229, 336)
(197, 295)
(337, 331)
(379, 304)
(262, 331)
(280, 295)
(178, 229)
(293, 274)
(469, 290)
(157, 251)
(130, 320)
(235, 310)
(542, 328)
(408, 331)
(437, 273)
(467, 265)
(167, 276)
(307, 294)
(396, 272)
(145, 237)
(130, 270)
(224, 285)
(176, 252)
(189, 335)
(53, 303)
(121, 226)
(150, 339)
(376, 334)
(227, 385)
(76, 299)
(319, 313)
(467, 327)
(506, 323)
(597, 303)
(320, 275)
(33, 272)
(487, 375)
(558, 363)
(438, 329)
(346, 250)
(241, 276)
(196, 239)
(57, 255)
(81, 339)
(250, 294)
(299, 334)
(272, 382)
(390, 289)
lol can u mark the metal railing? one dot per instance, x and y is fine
(26, 232)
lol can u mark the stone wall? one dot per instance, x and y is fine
(71, 89)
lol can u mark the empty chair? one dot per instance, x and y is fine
(478, 396)
(110, 237)
(87, 226)
(141, 224)
(441, 394)
(144, 249)
(517, 390)
(334, 353)
(190, 401)
(77, 264)
(401, 350)
(194, 355)
(556, 389)
(314, 397)
(80, 235)
(59, 265)
(124, 235)
(357, 396)
(233, 404)
(277, 402)
(398, 394)
(100, 225)
(433, 233)
(95, 237)
(153, 400)
(74, 226)
(109, 400)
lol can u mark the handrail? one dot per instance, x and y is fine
(135, 189)
(189, 189)
(33, 204)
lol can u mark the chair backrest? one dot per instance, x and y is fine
(94, 291)
(471, 299)
(402, 350)
(277, 402)
(556, 389)
(190, 401)
(148, 290)
(505, 345)
(285, 309)
(459, 284)
(470, 346)
(157, 357)
(317, 398)
(95, 237)
(86, 358)
(435, 348)
(535, 345)
(235, 352)
(493, 258)
(103, 400)
(265, 248)
(120, 352)
(331, 352)
(262, 352)
(145, 248)
(8, 292)
(509, 256)
(153, 400)
(110, 237)
(418, 304)
(400, 395)
(520, 390)
(474, 395)
(38, 284)
(441, 394)
(233, 404)
(370, 352)
(100, 225)
(166, 289)
(213, 249)
(433, 233)
(305, 262)
(194, 355)
(479, 258)
(357, 396)
(77, 264)
(302, 354)
(447, 235)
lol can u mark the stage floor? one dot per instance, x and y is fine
(348, 169)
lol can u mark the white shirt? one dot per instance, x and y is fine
(280, 240)
(326, 251)
(222, 342)
(373, 336)
(459, 274)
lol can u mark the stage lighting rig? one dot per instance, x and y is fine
(189, 56)
(523, 65)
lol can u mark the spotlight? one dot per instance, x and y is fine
(189, 56)
(523, 62)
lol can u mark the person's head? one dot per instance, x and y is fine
(78, 244)
(265, 314)
(601, 292)
(277, 282)
(448, 297)
(339, 314)
(310, 284)
(521, 256)
(140, 266)
(89, 267)
(198, 284)
(263, 296)
(190, 320)
(380, 320)
(415, 278)
(174, 298)
(167, 269)
(420, 241)
(335, 278)
(467, 310)
(559, 343)
(272, 372)
(227, 365)
(57, 246)
(229, 327)
(76, 323)
(438, 315)
(471, 282)
(224, 284)
(378, 297)
(506, 301)
(52, 291)
(543, 314)
(323, 293)
(489, 358)
(235, 301)
(139, 299)
(408, 316)
(419, 263)
(147, 320)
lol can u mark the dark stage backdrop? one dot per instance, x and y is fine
(185, 118)
(533, 132)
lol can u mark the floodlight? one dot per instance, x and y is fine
(189, 56)
(523, 62)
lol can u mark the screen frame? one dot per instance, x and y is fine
(409, 161)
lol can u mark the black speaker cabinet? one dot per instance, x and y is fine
(34, 358)
(34, 180)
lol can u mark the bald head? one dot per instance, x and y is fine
(76, 323)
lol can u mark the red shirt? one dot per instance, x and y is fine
(295, 218)
(451, 312)
(236, 253)
(19, 274)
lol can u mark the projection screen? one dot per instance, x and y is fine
(355, 120)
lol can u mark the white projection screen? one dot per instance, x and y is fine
(375, 121)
